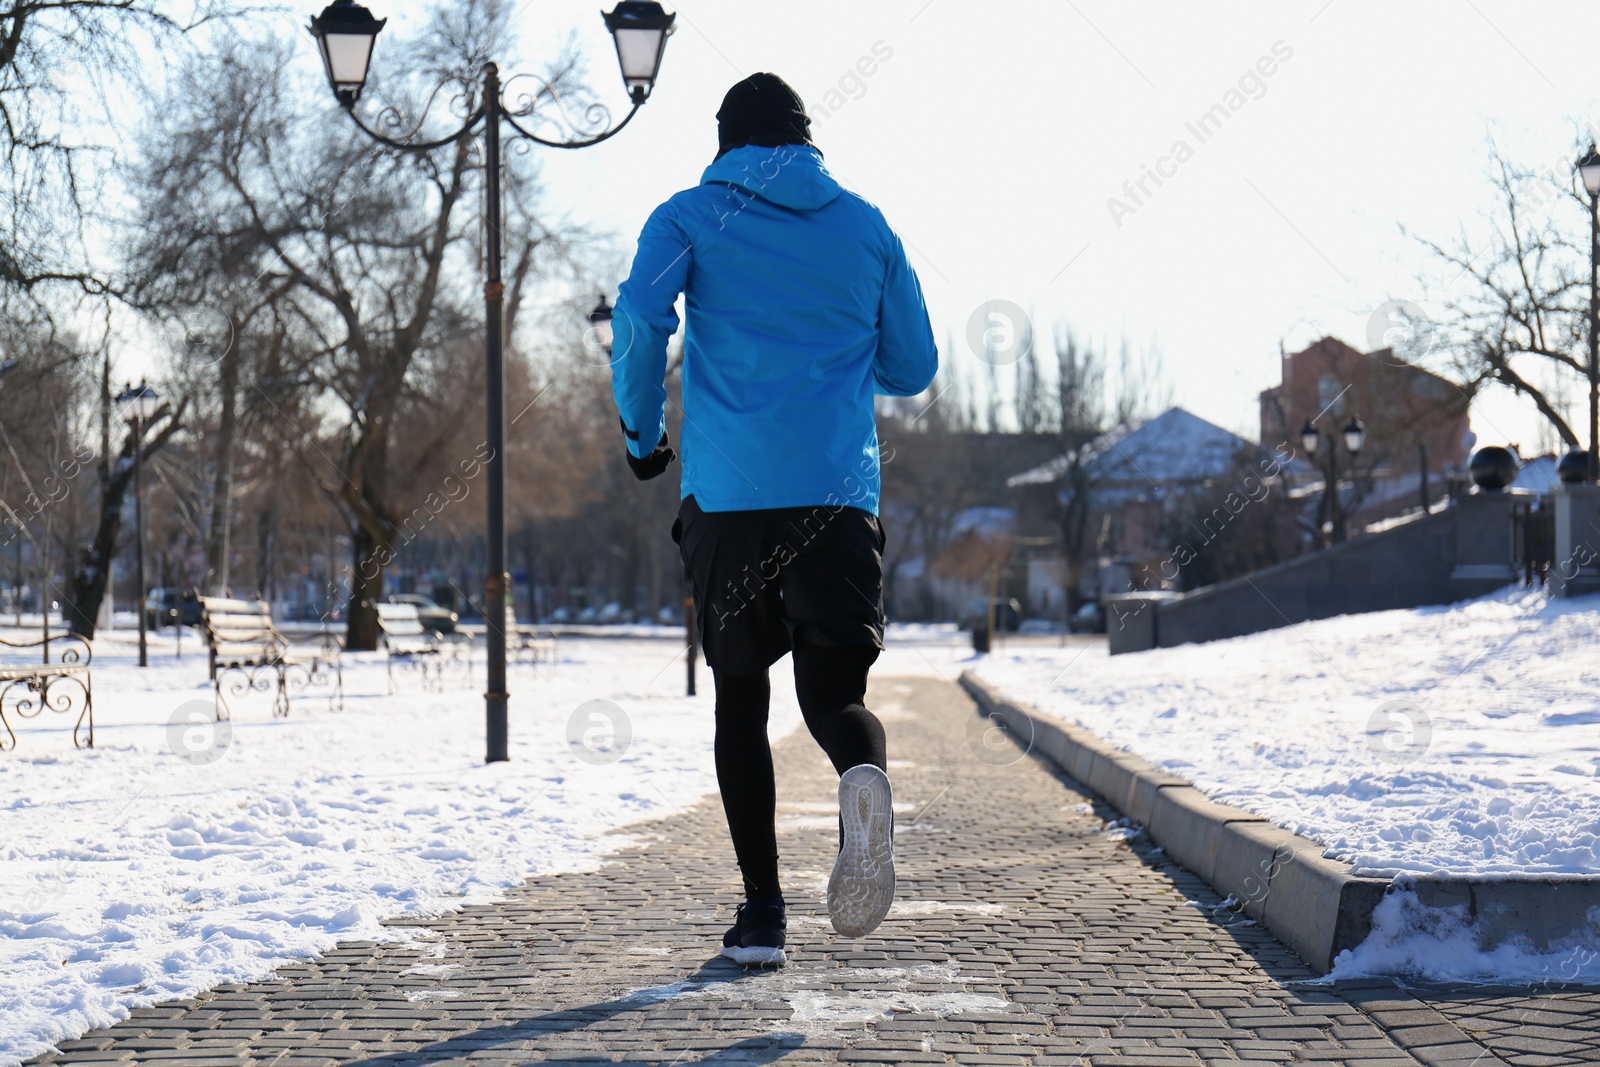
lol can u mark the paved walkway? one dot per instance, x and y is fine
(1023, 933)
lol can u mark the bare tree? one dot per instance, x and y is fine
(60, 63)
(1517, 309)
(359, 249)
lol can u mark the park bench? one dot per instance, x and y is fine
(34, 687)
(524, 644)
(242, 640)
(412, 646)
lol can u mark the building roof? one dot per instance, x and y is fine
(1537, 474)
(1174, 448)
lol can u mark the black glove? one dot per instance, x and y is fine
(654, 464)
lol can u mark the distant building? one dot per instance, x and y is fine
(1125, 490)
(1413, 417)
(938, 486)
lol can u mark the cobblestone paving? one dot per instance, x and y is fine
(1557, 1026)
(1024, 932)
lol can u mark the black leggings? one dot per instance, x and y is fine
(831, 684)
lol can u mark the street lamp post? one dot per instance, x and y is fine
(346, 32)
(138, 405)
(1589, 169)
(1355, 438)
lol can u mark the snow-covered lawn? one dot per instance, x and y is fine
(1463, 740)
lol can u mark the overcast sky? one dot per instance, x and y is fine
(994, 137)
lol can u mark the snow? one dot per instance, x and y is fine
(144, 870)
(1459, 740)
(1456, 741)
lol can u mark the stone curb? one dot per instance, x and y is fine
(1317, 906)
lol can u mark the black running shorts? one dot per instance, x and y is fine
(768, 578)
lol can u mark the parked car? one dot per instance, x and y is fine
(1007, 614)
(432, 616)
(1090, 618)
(164, 607)
(613, 613)
(560, 615)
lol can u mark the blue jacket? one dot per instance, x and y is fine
(801, 307)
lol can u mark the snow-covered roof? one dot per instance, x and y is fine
(1537, 474)
(986, 521)
(1174, 448)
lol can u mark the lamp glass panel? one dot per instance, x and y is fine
(639, 52)
(348, 55)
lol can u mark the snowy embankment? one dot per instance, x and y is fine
(129, 875)
(1462, 741)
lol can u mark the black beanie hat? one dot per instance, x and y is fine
(761, 110)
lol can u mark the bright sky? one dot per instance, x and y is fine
(993, 135)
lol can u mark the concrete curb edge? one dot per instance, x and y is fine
(1317, 906)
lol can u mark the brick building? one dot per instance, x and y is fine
(1409, 412)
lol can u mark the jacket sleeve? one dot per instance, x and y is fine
(644, 320)
(907, 357)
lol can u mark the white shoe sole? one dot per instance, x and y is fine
(755, 956)
(862, 886)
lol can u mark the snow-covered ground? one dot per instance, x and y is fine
(1462, 740)
(145, 869)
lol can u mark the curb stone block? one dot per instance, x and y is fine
(1111, 775)
(1316, 906)
(1049, 741)
(1545, 912)
(1248, 855)
(1142, 793)
(1083, 753)
(1436, 894)
(1027, 733)
(1188, 824)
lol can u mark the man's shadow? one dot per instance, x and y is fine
(716, 971)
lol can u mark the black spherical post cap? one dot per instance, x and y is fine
(1493, 467)
(1573, 468)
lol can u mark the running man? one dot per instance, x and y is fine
(801, 307)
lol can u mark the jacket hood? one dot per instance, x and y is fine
(790, 175)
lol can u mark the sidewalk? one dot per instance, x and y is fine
(1023, 933)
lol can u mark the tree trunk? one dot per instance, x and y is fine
(371, 526)
(88, 583)
(216, 583)
(366, 589)
(266, 587)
